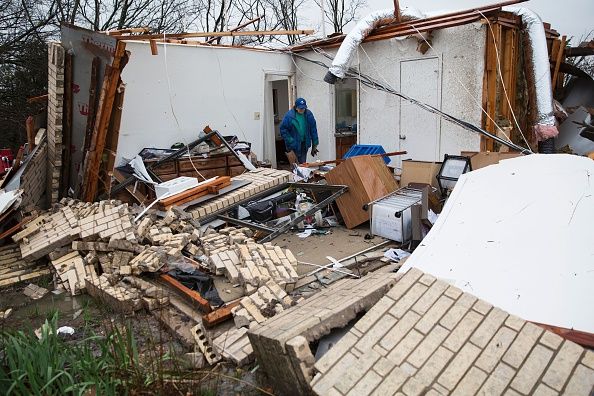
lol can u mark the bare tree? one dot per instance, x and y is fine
(341, 12)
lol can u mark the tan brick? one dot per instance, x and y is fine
(321, 385)
(458, 366)
(430, 297)
(336, 352)
(405, 302)
(581, 382)
(404, 284)
(405, 347)
(427, 346)
(357, 370)
(434, 314)
(376, 312)
(532, 369)
(366, 384)
(471, 382)
(383, 366)
(551, 340)
(392, 382)
(427, 279)
(457, 311)
(498, 380)
(514, 322)
(588, 359)
(376, 333)
(563, 364)
(413, 387)
(543, 390)
(491, 355)
(460, 334)
(436, 363)
(482, 307)
(397, 333)
(523, 343)
(488, 327)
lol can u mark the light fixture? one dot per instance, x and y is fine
(452, 167)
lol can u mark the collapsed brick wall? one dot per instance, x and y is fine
(34, 179)
(281, 343)
(427, 337)
(55, 108)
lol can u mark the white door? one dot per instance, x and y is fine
(419, 132)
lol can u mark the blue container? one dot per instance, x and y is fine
(366, 149)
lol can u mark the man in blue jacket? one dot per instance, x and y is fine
(299, 131)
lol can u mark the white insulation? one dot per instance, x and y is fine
(538, 56)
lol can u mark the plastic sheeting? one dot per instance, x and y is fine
(518, 234)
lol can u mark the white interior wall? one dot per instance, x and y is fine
(171, 96)
(461, 53)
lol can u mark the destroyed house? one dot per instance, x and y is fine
(477, 66)
(171, 199)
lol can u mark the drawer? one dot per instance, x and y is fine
(207, 173)
(165, 168)
(201, 163)
(236, 170)
(233, 161)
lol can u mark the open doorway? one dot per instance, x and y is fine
(278, 98)
(345, 115)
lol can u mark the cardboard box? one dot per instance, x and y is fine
(419, 172)
(486, 158)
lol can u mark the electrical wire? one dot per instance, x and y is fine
(375, 84)
(502, 81)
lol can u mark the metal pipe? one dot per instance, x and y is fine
(366, 25)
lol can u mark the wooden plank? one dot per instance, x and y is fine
(193, 192)
(108, 91)
(92, 104)
(558, 62)
(164, 37)
(14, 228)
(490, 85)
(154, 49)
(579, 337)
(191, 294)
(219, 315)
(30, 127)
(113, 136)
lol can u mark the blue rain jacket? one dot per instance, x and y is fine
(291, 135)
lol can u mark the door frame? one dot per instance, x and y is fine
(268, 140)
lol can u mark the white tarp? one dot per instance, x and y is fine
(520, 235)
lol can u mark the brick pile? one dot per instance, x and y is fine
(427, 337)
(14, 270)
(71, 271)
(260, 180)
(269, 300)
(234, 254)
(126, 294)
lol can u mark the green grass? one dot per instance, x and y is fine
(102, 365)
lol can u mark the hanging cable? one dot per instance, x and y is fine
(373, 83)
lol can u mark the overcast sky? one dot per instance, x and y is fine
(569, 17)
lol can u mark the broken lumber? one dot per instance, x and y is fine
(219, 315)
(191, 294)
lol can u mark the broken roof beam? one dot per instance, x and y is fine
(407, 28)
(120, 32)
(164, 36)
(584, 49)
(236, 28)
